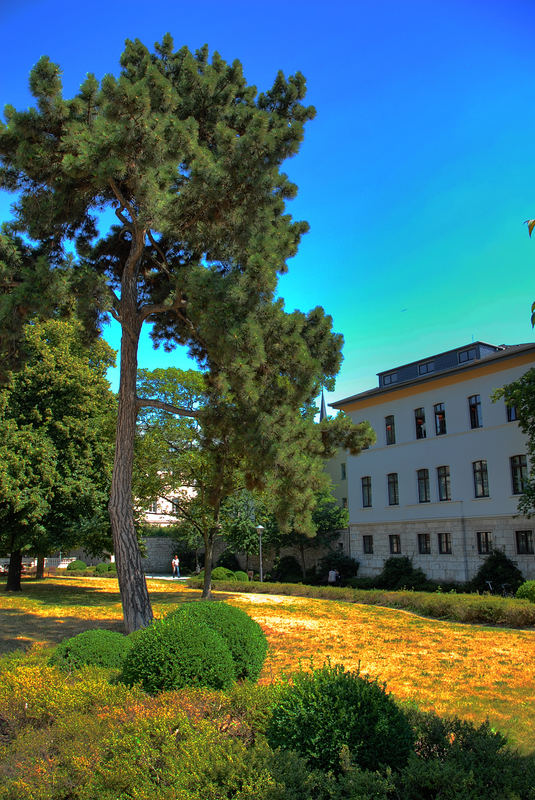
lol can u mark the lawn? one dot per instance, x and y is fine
(473, 671)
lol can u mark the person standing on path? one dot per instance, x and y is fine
(175, 563)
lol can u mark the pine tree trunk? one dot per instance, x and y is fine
(137, 609)
(303, 564)
(14, 571)
(208, 553)
(40, 569)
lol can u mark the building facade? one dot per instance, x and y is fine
(442, 483)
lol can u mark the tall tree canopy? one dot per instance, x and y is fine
(56, 445)
(188, 157)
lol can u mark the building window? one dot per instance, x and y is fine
(395, 543)
(153, 507)
(519, 473)
(444, 543)
(419, 421)
(367, 545)
(444, 486)
(366, 491)
(393, 492)
(474, 405)
(388, 379)
(423, 369)
(344, 502)
(440, 419)
(423, 486)
(424, 544)
(524, 543)
(467, 355)
(175, 505)
(481, 479)
(343, 474)
(512, 414)
(484, 542)
(390, 430)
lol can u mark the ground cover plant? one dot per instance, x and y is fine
(469, 670)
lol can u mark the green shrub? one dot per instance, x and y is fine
(526, 591)
(500, 571)
(399, 573)
(103, 567)
(244, 637)
(242, 576)
(346, 566)
(286, 570)
(223, 574)
(324, 712)
(175, 652)
(100, 648)
(77, 564)
(228, 560)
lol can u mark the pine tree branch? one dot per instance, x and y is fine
(142, 402)
(154, 243)
(161, 308)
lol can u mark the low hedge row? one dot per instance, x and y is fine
(508, 612)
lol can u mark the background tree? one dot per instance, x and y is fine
(56, 420)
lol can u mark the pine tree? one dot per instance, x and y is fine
(188, 156)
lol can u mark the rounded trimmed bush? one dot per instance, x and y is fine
(100, 648)
(176, 652)
(526, 591)
(241, 576)
(244, 636)
(223, 574)
(77, 564)
(330, 710)
(102, 568)
(500, 571)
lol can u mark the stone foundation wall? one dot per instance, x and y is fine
(461, 564)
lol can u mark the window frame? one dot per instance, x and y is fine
(484, 542)
(343, 471)
(440, 421)
(419, 423)
(512, 413)
(519, 473)
(390, 429)
(394, 544)
(424, 544)
(474, 411)
(470, 353)
(481, 478)
(393, 488)
(366, 486)
(422, 478)
(153, 507)
(444, 482)
(526, 549)
(444, 543)
(392, 377)
(367, 544)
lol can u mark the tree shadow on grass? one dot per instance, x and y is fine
(20, 629)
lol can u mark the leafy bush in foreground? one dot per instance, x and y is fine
(175, 652)
(324, 712)
(223, 574)
(100, 648)
(77, 564)
(526, 591)
(244, 636)
(242, 576)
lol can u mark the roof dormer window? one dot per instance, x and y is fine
(467, 355)
(427, 366)
(390, 378)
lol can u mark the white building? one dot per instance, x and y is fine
(441, 485)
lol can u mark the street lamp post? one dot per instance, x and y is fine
(259, 530)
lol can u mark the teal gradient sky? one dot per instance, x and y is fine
(415, 176)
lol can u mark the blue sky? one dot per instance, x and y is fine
(415, 176)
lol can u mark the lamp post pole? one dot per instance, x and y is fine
(259, 530)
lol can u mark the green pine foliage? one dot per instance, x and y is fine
(175, 652)
(330, 711)
(99, 648)
(244, 637)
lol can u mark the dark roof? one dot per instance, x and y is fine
(504, 351)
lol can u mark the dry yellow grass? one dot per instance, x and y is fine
(473, 671)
